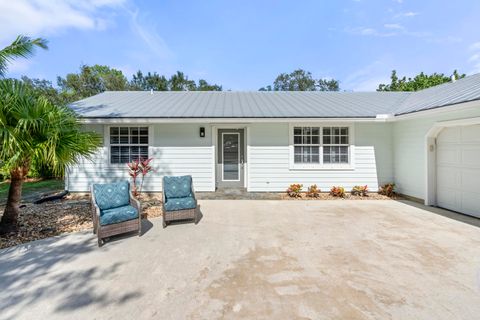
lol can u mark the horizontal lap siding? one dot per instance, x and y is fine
(269, 160)
(176, 150)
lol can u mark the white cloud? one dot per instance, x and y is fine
(394, 26)
(368, 77)
(408, 14)
(388, 30)
(474, 59)
(46, 17)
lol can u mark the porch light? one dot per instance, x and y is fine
(202, 132)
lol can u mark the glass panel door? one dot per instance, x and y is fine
(231, 156)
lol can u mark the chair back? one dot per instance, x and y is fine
(177, 186)
(112, 195)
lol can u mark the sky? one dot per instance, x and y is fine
(244, 45)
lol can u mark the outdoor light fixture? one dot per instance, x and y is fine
(202, 132)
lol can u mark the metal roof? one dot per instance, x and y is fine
(273, 104)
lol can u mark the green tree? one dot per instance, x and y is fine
(22, 47)
(151, 81)
(419, 82)
(203, 85)
(179, 82)
(44, 88)
(301, 80)
(90, 81)
(35, 130)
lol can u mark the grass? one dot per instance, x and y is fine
(32, 189)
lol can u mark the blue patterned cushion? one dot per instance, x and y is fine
(184, 203)
(177, 187)
(116, 215)
(112, 195)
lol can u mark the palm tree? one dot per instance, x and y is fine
(22, 47)
(33, 129)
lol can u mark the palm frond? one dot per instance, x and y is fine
(22, 47)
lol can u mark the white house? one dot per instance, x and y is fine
(426, 142)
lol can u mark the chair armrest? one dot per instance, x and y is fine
(163, 193)
(135, 203)
(193, 191)
(95, 209)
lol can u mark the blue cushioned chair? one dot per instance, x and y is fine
(115, 210)
(179, 201)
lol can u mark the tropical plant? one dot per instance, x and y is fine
(139, 167)
(387, 189)
(33, 130)
(360, 191)
(419, 82)
(337, 192)
(295, 190)
(22, 47)
(313, 191)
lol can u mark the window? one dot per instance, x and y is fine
(306, 142)
(321, 145)
(128, 144)
(335, 145)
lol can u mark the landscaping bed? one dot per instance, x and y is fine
(348, 196)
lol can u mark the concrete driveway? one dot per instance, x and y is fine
(256, 259)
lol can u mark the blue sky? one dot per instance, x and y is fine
(244, 45)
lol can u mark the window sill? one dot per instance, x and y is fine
(321, 168)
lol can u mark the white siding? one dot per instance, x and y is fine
(269, 168)
(177, 149)
(410, 149)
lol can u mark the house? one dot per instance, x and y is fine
(426, 142)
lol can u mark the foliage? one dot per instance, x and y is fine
(301, 80)
(21, 47)
(151, 81)
(32, 186)
(313, 191)
(419, 82)
(139, 167)
(387, 189)
(44, 88)
(337, 192)
(360, 191)
(33, 130)
(203, 85)
(295, 190)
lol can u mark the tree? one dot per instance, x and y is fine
(22, 47)
(92, 80)
(180, 82)
(419, 82)
(203, 85)
(35, 130)
(149, 82)
(44, 88)
(301, 80)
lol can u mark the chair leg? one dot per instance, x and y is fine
(100, 242)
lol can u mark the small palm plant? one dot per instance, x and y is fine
(21, 47)
(34, 130)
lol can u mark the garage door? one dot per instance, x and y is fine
(458, 169)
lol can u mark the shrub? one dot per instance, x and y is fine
(387, 189)
(360, 191)
(139, 167)
(294, 190)
(337, 192)
(313, 191)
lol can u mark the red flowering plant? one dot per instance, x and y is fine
(313, 191)
(295, 190)
(136, 168)
(337, 192)
(360, 191)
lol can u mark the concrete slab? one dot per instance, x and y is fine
(256, 259)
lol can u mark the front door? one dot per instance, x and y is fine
(230, 158)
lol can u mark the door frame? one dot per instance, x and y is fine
(246, 150)
(238, 156)
(431, 155)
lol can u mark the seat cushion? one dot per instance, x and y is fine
(117, 215)
(174, 204)
(177, 187)
(112, 195)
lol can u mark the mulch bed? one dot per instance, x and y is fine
(348, 196)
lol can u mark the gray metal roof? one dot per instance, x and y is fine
(277, 104)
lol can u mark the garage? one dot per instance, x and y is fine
(458, 169)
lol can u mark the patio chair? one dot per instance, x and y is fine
(179, 201)
(115, 210)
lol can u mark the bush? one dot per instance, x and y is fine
(337, 192)
(294, 190)
(360, 191)
(313, 191)
(387, 189)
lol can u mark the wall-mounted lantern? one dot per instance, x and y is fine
(202, 132)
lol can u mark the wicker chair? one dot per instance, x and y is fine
(179, 202)
(114, 210)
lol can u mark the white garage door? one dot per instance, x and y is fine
(458, 169)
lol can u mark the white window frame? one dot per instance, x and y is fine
(321, 166)
(108, 145)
